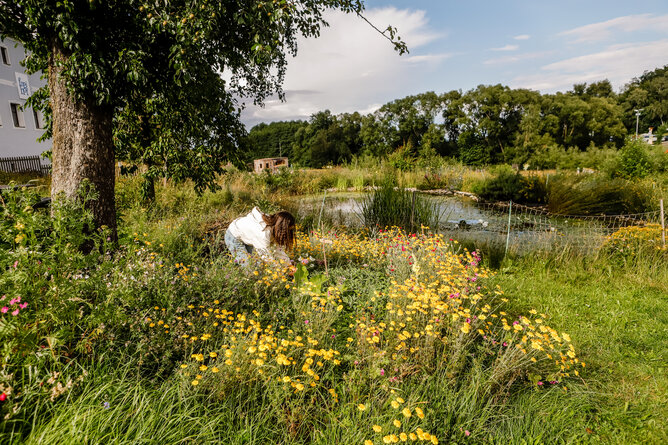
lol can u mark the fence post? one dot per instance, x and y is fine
(412, 211)
(322, 206)
(510, 212)
(663, 225)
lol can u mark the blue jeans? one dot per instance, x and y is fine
(240, 251)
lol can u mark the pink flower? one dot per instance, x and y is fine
(467, 432)
(382, 372)
(540, 383)
(23, 305)
(4, 309)
(15, 313)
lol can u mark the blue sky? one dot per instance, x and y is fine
(542, 45)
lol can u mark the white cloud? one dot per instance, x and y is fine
(617, 63)
(427, 58)
(351, 67)
(516, 58)
(522, 37)
(506, 48)
(602, 31)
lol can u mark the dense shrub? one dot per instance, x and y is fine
(633, 161)
(508, 185)
(553, 156)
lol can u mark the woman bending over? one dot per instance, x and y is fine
(270, 235)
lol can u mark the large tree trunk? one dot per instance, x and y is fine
(82, 146)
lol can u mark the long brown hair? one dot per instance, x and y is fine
(282, 226)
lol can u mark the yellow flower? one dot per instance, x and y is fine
(397, 423)
(368, 442)
(377, 428)
(361, 407)
(203, 368)
(395, 404)
(386, 439)
(195, 382)
(406, 412)
(419, 412)
(434, 440)
(412, 436)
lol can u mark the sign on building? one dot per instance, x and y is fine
(23, 85)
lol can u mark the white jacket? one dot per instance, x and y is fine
(252, 230)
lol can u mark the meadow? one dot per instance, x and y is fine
(371, 337)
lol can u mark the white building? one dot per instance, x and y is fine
(19, 127)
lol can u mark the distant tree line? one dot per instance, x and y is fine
(486, 125)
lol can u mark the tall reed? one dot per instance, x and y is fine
(395, 206)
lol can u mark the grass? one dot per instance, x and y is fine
(387, 206)
(614, 312)
(619, 316)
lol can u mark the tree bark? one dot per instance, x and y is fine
(82, 146)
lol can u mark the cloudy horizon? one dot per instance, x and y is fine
(350, 67)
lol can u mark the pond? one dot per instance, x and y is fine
(464, 219)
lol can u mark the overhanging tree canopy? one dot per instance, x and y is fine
(147, 75)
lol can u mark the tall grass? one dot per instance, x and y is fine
(617, 311)
(597, 194)
(388, 206)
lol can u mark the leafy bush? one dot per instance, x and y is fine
(633, 161)
(45, 294)
(508, 185)
(402, 158)
(282, 179)
(534, 190)
(552, 156)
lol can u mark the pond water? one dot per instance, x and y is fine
(464, 219)
(346, 209)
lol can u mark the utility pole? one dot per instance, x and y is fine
(637, 111)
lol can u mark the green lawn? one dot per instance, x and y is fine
(618, 319)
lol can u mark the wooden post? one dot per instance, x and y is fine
(663, 225)
(510, 212)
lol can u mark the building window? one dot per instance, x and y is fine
(4, 55)
(17, 116)
(39, 120)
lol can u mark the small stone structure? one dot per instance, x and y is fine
(271, 164)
